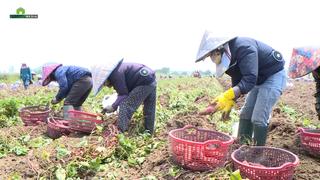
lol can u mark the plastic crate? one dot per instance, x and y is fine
(199, 149)
(57, 127)
(310, 140)
(260, 163)
(32, 115)
(83, 121)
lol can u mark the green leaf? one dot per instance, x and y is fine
(15, 176)
(95, 163)
(72, 169)
(235, 175)
(83, 142)
(3, 154)
(132, 161)
(173, 171)
(39, 142)
(60, 173)
(19, 150)
(62, 152)
(140, 160)
(25, 138)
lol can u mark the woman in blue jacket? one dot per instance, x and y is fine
(255, 69)
(75, 85)
(135, 84)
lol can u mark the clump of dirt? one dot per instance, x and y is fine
(204, 98)
(164, 100)
(190, 118)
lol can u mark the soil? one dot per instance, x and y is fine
(282, 134)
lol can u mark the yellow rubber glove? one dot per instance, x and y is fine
(225, 101)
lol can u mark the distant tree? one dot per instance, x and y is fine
(184, 73)
(175, 73)
(164, 70)
(207, 73)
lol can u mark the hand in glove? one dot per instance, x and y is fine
(223, 102)
(54, 101)
(107, 109)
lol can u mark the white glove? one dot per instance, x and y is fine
(108, 100)
(108, 109)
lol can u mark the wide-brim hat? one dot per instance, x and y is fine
(303, 61)
(210, 43)
(100, 73)
(47, 70)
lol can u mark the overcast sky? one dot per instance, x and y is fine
(162, 33)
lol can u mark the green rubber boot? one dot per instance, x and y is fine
(260, 135)
(245, 131)
(66, 108)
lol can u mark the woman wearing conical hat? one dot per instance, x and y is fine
(135, 84)
(75, 85)
(256, 69)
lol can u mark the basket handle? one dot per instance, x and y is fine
(286, 165)
(300, 130)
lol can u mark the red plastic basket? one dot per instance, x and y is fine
(261, 162)
(199, 149)
(310, 140)
(32, 115)
(57, 127)
(82, 121)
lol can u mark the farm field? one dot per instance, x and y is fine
(26, 152)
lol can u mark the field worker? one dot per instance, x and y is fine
(25, 75)
(255, 69)
(75, 85)
(305, 60)
(135, 84)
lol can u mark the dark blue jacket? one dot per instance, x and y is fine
(126, 76)
(25, 74)
(252, 62)
(66, 76)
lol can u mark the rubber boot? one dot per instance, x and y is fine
(245, 131)
(260, 135)
(78, 108)
(66, 108)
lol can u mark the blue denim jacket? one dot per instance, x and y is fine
(66, 76)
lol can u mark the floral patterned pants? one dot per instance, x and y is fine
(141, 94)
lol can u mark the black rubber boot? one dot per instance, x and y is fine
(245, 131)
(260, 135)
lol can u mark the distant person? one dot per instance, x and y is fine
(306, 60)
(135, 84)
(255, 68)
(25, 75)
(75, 85)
